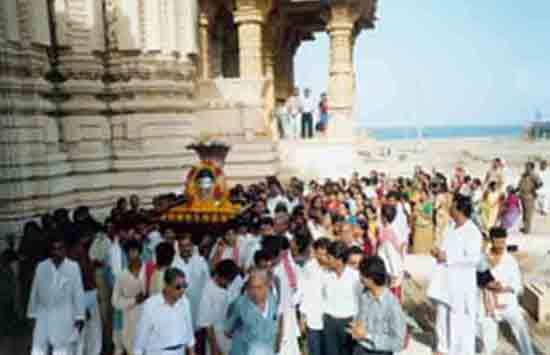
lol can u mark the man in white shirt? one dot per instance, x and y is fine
(230, 246)
(311, 307)
(294, 108)
(454, 289)
(165, 326)
(543, 194)
(308, 108)
(499, 298)
(56, 303)
(341, 291)
(214, 306)
(196, 272)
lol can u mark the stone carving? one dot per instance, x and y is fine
(105, 103)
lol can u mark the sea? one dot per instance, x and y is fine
(442, 132)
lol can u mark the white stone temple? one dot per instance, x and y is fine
(99, 98)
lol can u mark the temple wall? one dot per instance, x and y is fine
(110, 111)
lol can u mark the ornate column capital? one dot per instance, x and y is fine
(248, 16)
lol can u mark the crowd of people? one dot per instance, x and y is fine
(310, 266)
(302, 116)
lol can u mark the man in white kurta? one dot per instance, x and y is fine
(56, 303)
(456, 304)
(214, 305)
(499, 301)
(196, 272)
(289, 298)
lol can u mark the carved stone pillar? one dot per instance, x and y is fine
(269, 73)
(249, 21)
(205, 51)
(341, 76)
(86, 130)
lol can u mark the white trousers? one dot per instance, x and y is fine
(488, 329)
(294, 126)
(91, 338)
(55, 351)
(542, 202)
(455, 331)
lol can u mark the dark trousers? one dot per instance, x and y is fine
(200, 341)
(314, 342)
(336, 340)
(307, 125)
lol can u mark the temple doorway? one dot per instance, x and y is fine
(225, 40)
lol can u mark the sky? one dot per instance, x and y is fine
(440, 62)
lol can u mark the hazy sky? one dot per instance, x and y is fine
(445, 62)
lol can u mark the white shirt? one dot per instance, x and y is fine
(317, 230)
(308, 104)
(213, 311)
(508, 274)
(196, 273)
(456, 284)
(162, 325)
(252, 246)
(228, 252)
(312, 306)
(56, 302)
(341, 294)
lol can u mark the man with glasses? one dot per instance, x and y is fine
(165, 326)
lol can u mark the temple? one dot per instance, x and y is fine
(100, 98)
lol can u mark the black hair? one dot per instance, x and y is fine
(373, 268)
(353, 250)
(132, 244)
(498, 233)
(263, 255)
(463, 204)
(394, 194)
(303, 240)
(273, 244)
(321, 243)
(266, 220)
(227, 270)
(164, 253)
(389, 212)
(281, 208)
(171, 274)
(337, 249)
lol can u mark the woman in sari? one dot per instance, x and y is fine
(423, 233)
(443, 203)
(490, 208)
(511, 209)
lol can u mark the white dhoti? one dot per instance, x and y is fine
(542, 202)
(91, 340)
(455, 331)
(55, 351)
(289, 344)
(488, 331)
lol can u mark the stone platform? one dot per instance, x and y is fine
(318, 158)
